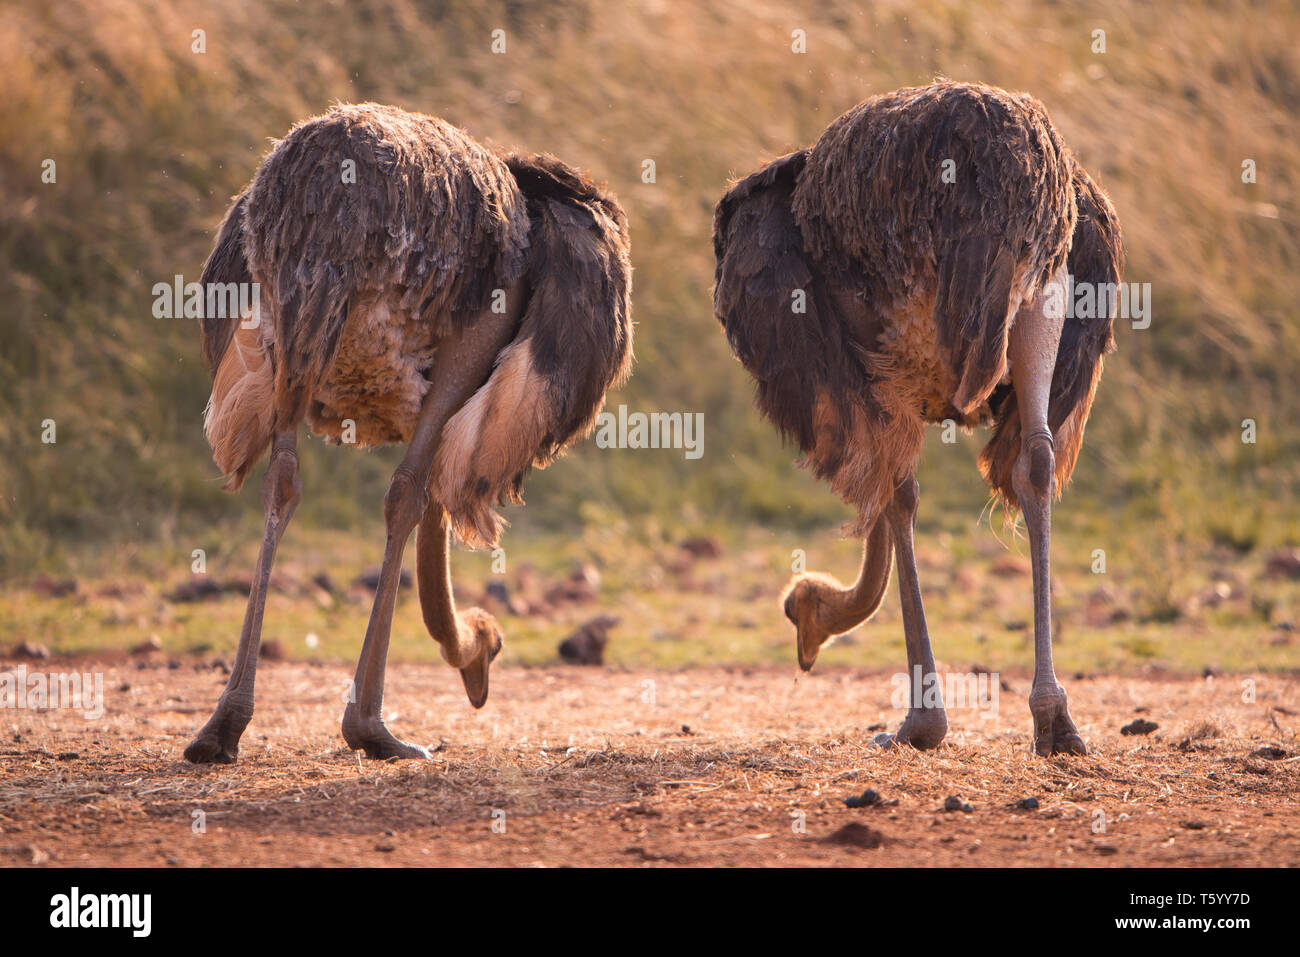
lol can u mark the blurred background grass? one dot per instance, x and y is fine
(152, 139)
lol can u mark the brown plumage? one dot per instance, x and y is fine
(894, 274)
(360, 280)
(414, 287)
(911, 284)
(1096, 257)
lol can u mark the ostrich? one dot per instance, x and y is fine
(421, 289)
(924, 235)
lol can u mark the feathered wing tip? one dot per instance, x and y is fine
(239, 418)
(574, 343)
(226, 263)
(1096, 257)
(813, 371)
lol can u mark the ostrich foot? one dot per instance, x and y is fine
(923, 729)
(218, 741)
(480, 643)
(1054, 731)
(377, 741)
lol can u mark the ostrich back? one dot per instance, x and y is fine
(943, 208)
(374, 234)
(909, 233)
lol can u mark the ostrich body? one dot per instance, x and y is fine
(469, 303)
(926, 297)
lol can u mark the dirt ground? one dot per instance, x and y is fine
(594, 766)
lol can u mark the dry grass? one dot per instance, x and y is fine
(151, 140)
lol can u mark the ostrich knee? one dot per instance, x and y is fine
(1034, 474)
(905, 503)
(404, 503)
(281, 486)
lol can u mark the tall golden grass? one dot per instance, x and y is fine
(151, 139)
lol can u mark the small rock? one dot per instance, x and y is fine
(324, 582)
(581, 587)
(272, 650)
(854, 834)
(1028, 804)
(1284, 563)
(868, 798)
(1269, 752)
(154, 643)
(1139, 726)
(1011, 566)
(200, 588)
(586, 646)
(953, 802)
(242, 584)
(369, 579)
(702, 547)
(54, 587)
(30, 649)
(1194, 825)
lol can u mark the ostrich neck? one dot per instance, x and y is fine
(433, 572)
(846, 608)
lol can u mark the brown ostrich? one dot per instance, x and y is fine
(902, 271)
(418, 288)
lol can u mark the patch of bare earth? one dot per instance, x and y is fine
(583, 766)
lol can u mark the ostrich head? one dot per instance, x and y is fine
(814, 603)
(481, 640)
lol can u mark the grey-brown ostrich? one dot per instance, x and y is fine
(926, 288)
(420, 288)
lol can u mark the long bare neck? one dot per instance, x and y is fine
(843, 609)
(433, 571)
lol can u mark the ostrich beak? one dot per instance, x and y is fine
(475, 674)
(806, 644)
(807, 649)
(475, 677)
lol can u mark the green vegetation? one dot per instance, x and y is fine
(1216, 611)
(151, 139)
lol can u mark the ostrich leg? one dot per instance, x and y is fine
(218, 740)
(926, 723)
(461, 364)
(1032, 351)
